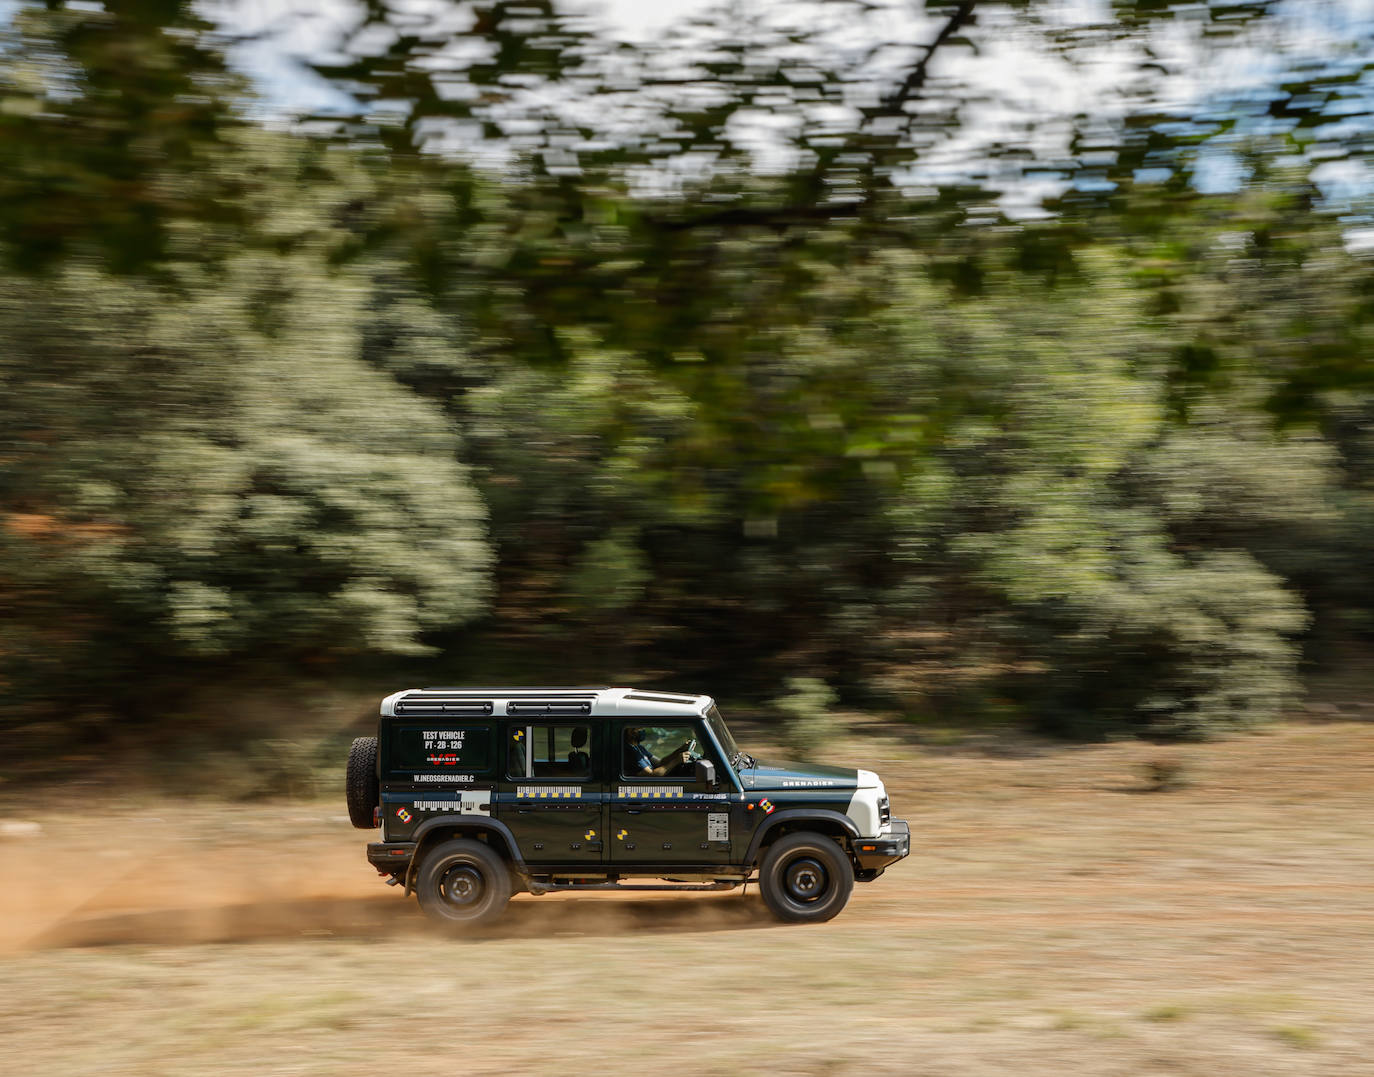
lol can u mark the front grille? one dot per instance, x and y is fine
(884, 811)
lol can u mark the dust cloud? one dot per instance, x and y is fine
(91, 887)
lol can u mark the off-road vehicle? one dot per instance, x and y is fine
(484, 792)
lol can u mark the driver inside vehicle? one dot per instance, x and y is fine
(640, 761)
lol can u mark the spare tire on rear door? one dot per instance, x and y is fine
(360, 783)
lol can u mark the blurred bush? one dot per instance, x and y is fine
(194, 489)
(809, 722)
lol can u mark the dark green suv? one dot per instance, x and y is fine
(483, 792)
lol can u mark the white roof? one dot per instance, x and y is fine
(603, 702)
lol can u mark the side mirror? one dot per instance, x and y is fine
(706, 772)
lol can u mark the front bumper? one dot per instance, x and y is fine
(875, 854)
(390, 857)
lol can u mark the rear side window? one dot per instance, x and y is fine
(550, 750)
(437, 748)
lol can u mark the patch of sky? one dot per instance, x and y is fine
(1216, 171)
(273, 42)
(1344, 181)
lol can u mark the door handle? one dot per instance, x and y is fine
(634, 811)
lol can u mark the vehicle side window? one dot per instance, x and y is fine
(550, 750)
(659, 751)
(437, 748)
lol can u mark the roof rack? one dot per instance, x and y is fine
(444, 705)
(536, 701)
(551, 707)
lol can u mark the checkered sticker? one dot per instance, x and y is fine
(651, 792)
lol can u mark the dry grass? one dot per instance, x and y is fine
(1052, 919)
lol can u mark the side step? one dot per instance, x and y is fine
(548, 888)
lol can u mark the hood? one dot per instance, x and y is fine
(800, 776)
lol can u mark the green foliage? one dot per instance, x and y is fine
(112, 116)
(1038, 564)
(808, 706)
(187, 486)
(628, 399)
(609, 574)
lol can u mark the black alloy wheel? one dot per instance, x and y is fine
(462, 882)
(806, 878)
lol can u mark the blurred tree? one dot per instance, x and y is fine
(754, 384)
(1266, 316)
(218, 476)
(642, 168)
(1038, 569)
(112, 113)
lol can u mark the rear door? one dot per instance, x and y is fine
(553, 798)
(437, 765)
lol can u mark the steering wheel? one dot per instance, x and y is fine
(687, 766)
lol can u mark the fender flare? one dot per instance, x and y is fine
(797, 815)
(468, 822)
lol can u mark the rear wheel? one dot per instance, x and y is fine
(360, 783)
(805, 878)
(462, 882)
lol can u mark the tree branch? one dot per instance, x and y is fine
(916, 77)
(783, 216)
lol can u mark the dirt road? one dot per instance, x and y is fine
(1054, 918)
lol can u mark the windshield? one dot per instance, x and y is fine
(722, 732)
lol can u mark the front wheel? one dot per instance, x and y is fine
(805, 878)
(462, 882)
